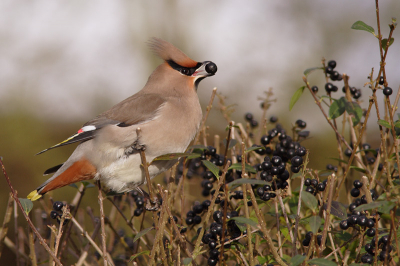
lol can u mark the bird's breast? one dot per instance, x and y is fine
(174, 129)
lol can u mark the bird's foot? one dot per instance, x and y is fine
(134, 148)
(151, 204)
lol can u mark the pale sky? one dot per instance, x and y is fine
(60, 58)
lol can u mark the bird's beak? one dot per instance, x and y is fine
(206, 69)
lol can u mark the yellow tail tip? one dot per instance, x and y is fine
(34, 195)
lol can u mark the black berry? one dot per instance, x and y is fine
(355, 192)
(248, 117)
(357, 184)
(57, 206)
(297, 161)
(301, 124)
(53, 214)
(387, 91)
(332, 64)
(344, 225)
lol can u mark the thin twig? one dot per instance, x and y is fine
(6, 221)
(228, 139)
(263, 227)
(153, 199)
(86, 249)
(203, 122)
(16, 232)
(15, 196)
(91, 241)
(246, 208)
(103, 230)
(75, 203)
(164, 196)
(197, 247)
(8, 243)
(296, 225)
(32, 253)
(331, 184)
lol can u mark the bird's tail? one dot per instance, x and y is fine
(79, 171)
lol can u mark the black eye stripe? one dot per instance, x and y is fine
(184, 70)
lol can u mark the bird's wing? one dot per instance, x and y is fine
(134, 110)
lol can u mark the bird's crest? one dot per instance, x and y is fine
(167, 52)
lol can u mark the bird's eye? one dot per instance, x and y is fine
(185, 71)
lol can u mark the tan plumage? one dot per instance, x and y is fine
(168, 112)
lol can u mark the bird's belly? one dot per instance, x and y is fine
(126, 173)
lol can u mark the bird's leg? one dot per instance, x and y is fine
(134, 148)
(150, 204)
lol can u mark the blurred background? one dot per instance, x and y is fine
(63, 62)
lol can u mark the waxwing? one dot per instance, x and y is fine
(168, 112)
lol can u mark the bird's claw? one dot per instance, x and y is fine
(135, 147)
(152, 205)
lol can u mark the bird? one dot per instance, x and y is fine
(167, 111)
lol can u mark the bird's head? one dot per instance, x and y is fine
(180, 67)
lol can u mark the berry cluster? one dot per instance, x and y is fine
(307, 239)
(330, 70)
(384, 247)
(56, 213)
(249, 118)
(313, 186)
(213, 235)
(335, 76)
(193, 216)
(139, 201)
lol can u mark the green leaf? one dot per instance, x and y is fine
(338, 209)
(384, 123)
(387, 207)
(384, 42)
(187, 261)
(311, 69)
(212, 167)
(73, 185)
(142, 233)
(295, 97)
(322, 262)
(232, 143)
(357, 264)
(297, 260)
(344, 236)
(243, 220)
(359, 25)
(358, 169)
(200, 147)
(315, 222)
(368, 150)
(255, 148)
(339, 160)
(354, 109)
(146, 252)
(337, 108)
(371, 206)
(174, 156)
(247, 167)
(242, 181)
(309, 200)
(27, 205)
(262, 260)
